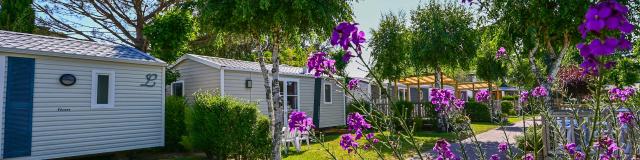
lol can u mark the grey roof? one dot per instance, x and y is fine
(248, 65)
(28, 43)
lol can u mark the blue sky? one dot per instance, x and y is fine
(368, 13)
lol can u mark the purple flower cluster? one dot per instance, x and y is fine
(502, 147)
(482, 96)
(621, 94)
(298, 121)
(356, 123)
(539, 91)
(353, 84)
(501, 53)
(459, 103)
(625, 118)
(571, 149)
(524, 97)
(607, 144)
(319, 63)
(346, 34)
(494, 157)
(441, 98)
(443, 150)
(528, 156)
(347, 142)
(605, 15)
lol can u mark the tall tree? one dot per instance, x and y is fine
(18, 16)
(443, 36)
(170, 33)
(389, 48)
(116, 21)
(276, 22)
(542, 31)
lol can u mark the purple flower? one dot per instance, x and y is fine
(353, 84)
(482, 96)
(346, 33)
(524, 97)
(539, 91)
(443, 150)
(357, 123)
(459, 103)
(375, 141)
(602, 16)
(571, 148)
(348, 143)
(319, 63)
(347, 56)
(501, 53)
(370, 135)
(579, 156)
(495, 157)
(621, 94)
(441, 98)
(607, 144)
(529, 156)
(625, 117)
(298, 121)
(502, 147)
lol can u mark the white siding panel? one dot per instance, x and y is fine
(64, 124)
(234, 82)
(197, 77)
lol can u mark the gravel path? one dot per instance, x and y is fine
(489, 140)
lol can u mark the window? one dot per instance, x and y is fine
(177, 88)
(102, 89)
(401, 94)
(292, 95)
(327, 93)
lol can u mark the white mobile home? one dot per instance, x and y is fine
(243, 79)
(64, 97)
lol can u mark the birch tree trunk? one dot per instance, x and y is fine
(278, 108)
(275, 150)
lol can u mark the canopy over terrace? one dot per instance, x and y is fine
(459, 86)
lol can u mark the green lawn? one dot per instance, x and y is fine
(426, 140)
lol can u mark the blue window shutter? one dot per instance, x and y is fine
(19, 107)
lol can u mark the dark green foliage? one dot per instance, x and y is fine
(223, 126)
(174, 122)
(432, 114)
(534, 139)
(443, 35)
(18, 16)
(389, 47)
(507, 108)
(171, 76)
(257, 17)
(488, 67)
(355, 106)
(170, 33)
(510, 98)
(402, 109)
(478, 112)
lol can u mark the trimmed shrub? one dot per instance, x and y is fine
(432, 114)
(507, 108)
(224, 127)
(478, 112)
(174, 122)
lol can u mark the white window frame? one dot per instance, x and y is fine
(180, 81)
(94, 88)
(324, 95)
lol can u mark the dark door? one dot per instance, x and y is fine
(19, 107)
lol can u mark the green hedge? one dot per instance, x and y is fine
(534, 139)
(510, 98)
(174, 122)
(224, 127)
(507, 108)
(478, 112)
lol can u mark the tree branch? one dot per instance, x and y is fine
(534, 68)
